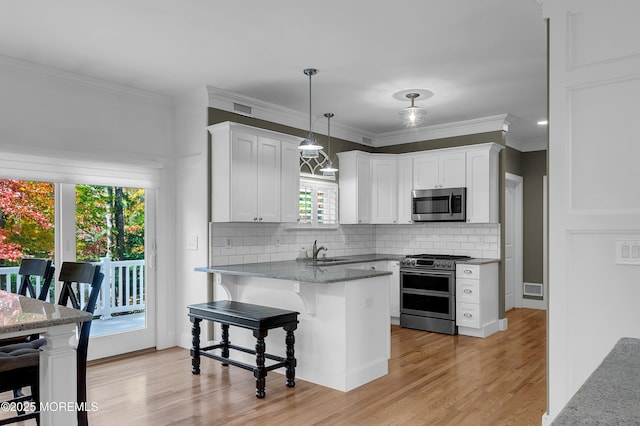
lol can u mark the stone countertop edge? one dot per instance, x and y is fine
(478, 261)
(55, 315)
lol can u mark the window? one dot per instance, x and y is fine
(318, 203)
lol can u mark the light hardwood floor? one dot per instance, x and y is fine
(433, 379)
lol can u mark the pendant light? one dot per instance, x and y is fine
(413, 115)
(309, 146)
(327, 168)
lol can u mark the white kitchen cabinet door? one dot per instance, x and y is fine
(425, 172)
(364, 189)
(244, 176)
(268, 181)
(383, 189)
(443, 170)
(355, 187)
(482, 184)
(290, 184)
(405, 186)
(452, 170)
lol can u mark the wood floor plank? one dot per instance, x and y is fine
(433, 379)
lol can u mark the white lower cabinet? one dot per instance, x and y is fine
(392, 266)
(477, 299)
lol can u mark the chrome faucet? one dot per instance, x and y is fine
(317, 249)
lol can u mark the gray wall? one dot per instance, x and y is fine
(534, 167)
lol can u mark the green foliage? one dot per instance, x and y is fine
(109, 221)
(97, 227)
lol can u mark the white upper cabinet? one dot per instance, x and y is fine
(482, 183)
(376, 188)
(355, 187)
(405, 186)
(252, 174)
(439, 170)
(290, 202)
(384, 189)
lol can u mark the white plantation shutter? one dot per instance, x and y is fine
(318, 203)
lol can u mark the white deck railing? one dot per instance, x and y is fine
(123, 280)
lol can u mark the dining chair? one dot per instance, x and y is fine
(19, 363)
(31, 267)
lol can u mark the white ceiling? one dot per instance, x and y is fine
(480, 58)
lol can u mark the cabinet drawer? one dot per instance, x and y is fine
(467, 291)
(468, 315)
(468, 271)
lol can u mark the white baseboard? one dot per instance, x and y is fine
(534, 304)
(503, 324)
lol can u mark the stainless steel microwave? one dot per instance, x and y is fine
(439, 205)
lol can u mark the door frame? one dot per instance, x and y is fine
(516, 182)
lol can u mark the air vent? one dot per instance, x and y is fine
(533, 289)
(241, 109)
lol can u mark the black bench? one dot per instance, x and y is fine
(258, 318)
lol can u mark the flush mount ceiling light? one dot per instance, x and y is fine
(309, 146)
(328, 168)
(412, 115)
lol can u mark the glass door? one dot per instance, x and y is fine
(111, 226)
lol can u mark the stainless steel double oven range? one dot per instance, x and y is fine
(428, 292)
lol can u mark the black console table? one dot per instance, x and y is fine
(259, 319)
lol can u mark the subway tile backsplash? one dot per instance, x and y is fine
(236, 243)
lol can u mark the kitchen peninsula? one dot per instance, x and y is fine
(343, 338)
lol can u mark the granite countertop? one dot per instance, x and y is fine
(324, 270)
(610, 395)
(21, 313)
(478, 261)
(336, 269)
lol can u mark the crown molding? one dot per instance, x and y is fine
(19, 64)
(224, 100)
(438, 131)
(528, 146)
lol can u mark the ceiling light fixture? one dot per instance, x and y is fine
(309, 146)
(412, 115)
(328, 168)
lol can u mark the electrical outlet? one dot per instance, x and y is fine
(628, 252)
(228, 242)
(277, 242)
(192, 243)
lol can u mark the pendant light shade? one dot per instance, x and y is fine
(310, 146)
(412, 115)
(328, 169)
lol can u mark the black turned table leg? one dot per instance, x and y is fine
(195, 345)
(225, 342)
(260, 372)
(290, 341)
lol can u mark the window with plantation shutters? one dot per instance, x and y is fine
(318, 203)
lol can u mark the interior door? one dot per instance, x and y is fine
(509, 247)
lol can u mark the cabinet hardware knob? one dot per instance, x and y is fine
(260, 219)
(468, 271)
(467, 315)
(466, 290)
(255, 219)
